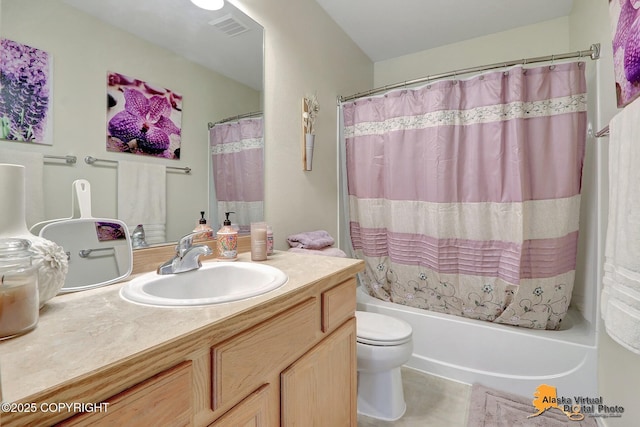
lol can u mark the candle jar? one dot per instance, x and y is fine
(258, 241)
(18, 288)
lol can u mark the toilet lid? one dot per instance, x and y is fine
(379, 329)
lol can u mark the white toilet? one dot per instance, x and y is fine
(383, 345)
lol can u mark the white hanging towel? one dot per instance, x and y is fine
(142, 198)
(33, 181)
(620, 302)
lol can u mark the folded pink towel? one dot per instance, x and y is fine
(325, 252)
(311, 240)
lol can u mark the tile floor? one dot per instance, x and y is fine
(431, 401)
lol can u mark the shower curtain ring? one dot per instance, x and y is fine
(552, 66)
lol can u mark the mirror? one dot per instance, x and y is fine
(98, 250)
(213, 59)
(237, 162)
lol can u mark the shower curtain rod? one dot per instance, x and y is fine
(238, 117)
(593, 52)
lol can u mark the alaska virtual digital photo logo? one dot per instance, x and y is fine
(546, 399)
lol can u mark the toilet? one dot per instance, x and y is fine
(383, 345)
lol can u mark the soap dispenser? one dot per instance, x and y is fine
(207, 231)
(227, 241)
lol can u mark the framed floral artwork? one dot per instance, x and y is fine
(142, 118)
(107, 231)
(625, 25)
(25, 93)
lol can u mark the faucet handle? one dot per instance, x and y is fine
(185, 243)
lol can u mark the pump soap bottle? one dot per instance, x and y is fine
(227, 241)
(207, 231)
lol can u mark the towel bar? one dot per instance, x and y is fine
(91, 160)
(70, 160)
(602, 132)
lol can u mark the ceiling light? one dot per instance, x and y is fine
(209, 4)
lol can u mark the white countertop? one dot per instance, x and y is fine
(81, 332)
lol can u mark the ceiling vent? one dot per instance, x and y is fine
(230, 25)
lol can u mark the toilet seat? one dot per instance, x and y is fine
(381, 330)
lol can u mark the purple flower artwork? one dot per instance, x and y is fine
(110, 231)
(25, 93)
(625, 24)
(142, 118)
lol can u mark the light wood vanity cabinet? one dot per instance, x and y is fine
(307, 354)
(288, 362)
(318, 389)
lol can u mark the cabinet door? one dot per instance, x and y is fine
(320, 388)
(251, 412)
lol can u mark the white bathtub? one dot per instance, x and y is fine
(504, 357)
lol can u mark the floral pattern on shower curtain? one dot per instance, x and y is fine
(464, 195)
(237, 155)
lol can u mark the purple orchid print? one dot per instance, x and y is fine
(145, 123)
(626, 49)
(109, 231)
(24, 92)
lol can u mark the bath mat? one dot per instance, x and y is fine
(494, 408)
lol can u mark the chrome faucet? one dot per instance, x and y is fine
(138, 238)
(187, 256)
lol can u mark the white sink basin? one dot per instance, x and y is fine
(213, 283)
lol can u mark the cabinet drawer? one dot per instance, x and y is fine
(164, 399)
(338, 304)
(242, 363)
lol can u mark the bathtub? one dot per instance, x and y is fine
(504, 357)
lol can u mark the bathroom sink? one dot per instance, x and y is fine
(213, 283)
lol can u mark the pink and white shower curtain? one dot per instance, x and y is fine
(464, 195)
(237, 155)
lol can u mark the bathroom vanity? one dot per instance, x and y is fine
(284, 358)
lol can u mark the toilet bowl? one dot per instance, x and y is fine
(383, 345)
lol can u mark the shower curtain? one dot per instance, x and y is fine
(464, 195)
(237, 158)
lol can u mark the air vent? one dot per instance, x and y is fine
(230, 25)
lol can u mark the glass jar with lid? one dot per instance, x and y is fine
(18, 288)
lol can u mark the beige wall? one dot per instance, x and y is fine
(524, 42)
(83, 50)
(305, 52)
(618, 368)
